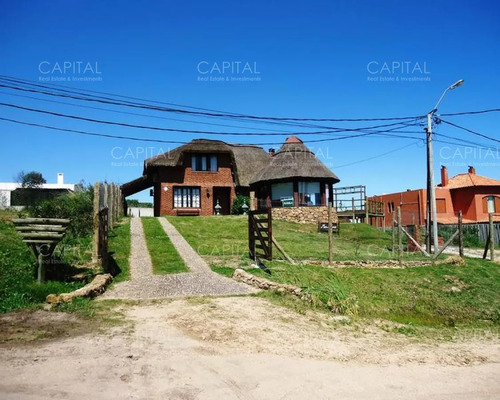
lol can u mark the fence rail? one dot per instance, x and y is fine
(260, 234)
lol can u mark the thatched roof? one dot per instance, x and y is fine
(247, 159)
(294, 160)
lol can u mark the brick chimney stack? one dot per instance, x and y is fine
(472, 170)
(444, 176)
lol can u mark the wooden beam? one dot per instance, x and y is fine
(414, 242)
(446, 244)
(282, 251)
(41, 221)
(40, 235)
(42, 228)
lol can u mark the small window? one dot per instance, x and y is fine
(491, 204)
(186, 197)
(204, 162)
(441, 206)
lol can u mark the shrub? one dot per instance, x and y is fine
(238, 204)
(76, 206)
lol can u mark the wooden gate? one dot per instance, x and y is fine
(103, 237)
(260, 234)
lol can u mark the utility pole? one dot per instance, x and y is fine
(431, 193)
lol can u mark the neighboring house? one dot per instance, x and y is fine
(475, 195)
(12, 194)
(196, 177)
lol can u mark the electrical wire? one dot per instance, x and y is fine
(157, 128)
(170, 141)
(470, 131)
(379, 155)
(223, 113)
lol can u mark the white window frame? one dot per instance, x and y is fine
(187, 197)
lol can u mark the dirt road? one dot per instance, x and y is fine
(244, 348)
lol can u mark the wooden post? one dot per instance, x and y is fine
(492, 238)
(252, 201)
(400, 238)
(393, 232)
(107, 198)
(460, 235)
(330, 234)
(95, 243)
(353, 211)
(270, 232)
(367, 214)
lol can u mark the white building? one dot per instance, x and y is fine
(6, 189)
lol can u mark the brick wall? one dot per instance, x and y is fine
(171, 177)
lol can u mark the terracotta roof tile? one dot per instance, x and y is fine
(468, 179)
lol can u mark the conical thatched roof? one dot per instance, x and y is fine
(294, 160)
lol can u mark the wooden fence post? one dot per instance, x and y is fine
(115, 204)
(95, 243)
(367, 213)
(330, 234)
(492, 238)
(400, 238)
(393, 232)
(460, 235)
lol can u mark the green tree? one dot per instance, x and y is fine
(32, 179)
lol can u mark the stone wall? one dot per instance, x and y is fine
(304, 215)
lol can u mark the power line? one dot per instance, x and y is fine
(471, 112)
(135, 114)
(378, 156)
(470, 131)
(156, 128)
(216, 112)
(81, 132)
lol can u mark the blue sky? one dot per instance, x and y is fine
(310, 59)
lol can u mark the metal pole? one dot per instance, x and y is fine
(430, 166)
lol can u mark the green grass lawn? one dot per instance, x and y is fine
(18, 286)
(421, 296)
(224, 240)
(119, 248)
(164, 256)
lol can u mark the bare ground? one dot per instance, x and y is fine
(239, 348)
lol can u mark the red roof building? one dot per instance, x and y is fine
(475, 195)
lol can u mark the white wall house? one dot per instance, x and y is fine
(6, 189)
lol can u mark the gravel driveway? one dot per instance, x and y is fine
(145, 285)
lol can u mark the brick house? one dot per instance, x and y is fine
(475, 195)
(196, 177)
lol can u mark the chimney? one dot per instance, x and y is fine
(271, 152)
(60, 178)
(444, 176)
(472, 170)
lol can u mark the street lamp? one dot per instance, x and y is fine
(431, 194)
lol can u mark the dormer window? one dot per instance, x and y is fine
(204, 162)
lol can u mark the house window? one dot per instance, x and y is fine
(204, 162)
(491, 204)
(282, 194)
(441, 206)
(309, 194)
(186, 197)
